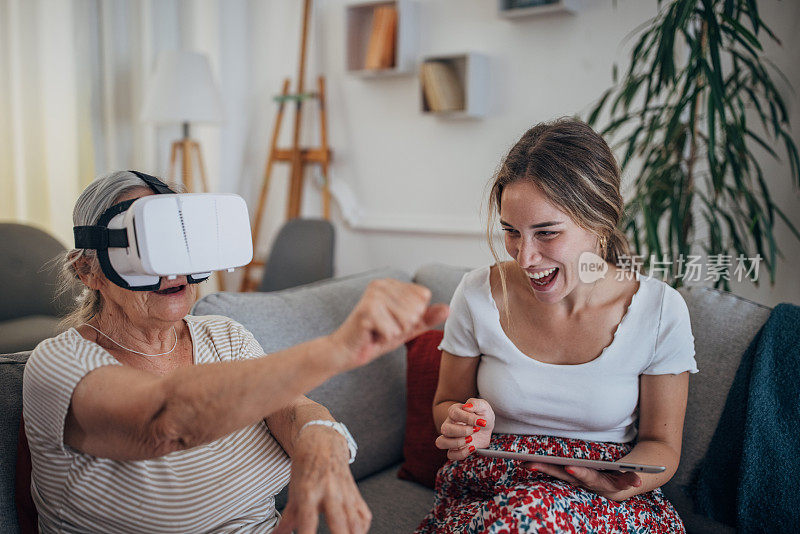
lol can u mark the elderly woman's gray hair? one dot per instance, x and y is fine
(98, 196)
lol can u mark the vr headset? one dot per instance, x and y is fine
(139, 241)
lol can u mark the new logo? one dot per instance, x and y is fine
(591, 267)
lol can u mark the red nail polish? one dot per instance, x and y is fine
(569, 470)
(468, 439)
(468, 405)
(471, 448)
(475, 428)
(481, 422)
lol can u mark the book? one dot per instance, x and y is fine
(381, 47)
(441, 86)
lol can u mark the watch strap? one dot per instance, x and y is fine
(341, 429)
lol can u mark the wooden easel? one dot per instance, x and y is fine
(296, 156)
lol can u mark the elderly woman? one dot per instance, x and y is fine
(142, 418)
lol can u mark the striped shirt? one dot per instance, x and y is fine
(228, 485)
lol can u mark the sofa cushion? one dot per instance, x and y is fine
(694, 523)
(421, 458)
(442, 280)
(26, 332)
(27, 514)
(28, 274)
(370, 400)
(396, 505)
(723, 326)
(12, 367)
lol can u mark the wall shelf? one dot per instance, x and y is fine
(507, 10)
(472, 70)
(359, 17)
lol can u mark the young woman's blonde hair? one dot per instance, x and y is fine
(98, 196)
(574, 168)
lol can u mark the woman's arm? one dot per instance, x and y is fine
(285, 425)
(458, 381)
(321, 481)
(122, 413)
(464, 421)
(662, 406)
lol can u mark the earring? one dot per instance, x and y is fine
(603, 244)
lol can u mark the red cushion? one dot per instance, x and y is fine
(26, 510)
(422, 458)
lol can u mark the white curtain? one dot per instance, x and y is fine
(73, 75)
(46, 149)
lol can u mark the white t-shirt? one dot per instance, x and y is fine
(594, 401)
(228, 485)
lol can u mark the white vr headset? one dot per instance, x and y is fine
(167, 235)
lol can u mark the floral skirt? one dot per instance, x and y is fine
(498, 496)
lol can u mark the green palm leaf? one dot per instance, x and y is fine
(684, 111)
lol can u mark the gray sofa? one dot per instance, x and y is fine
(29, 308)
(371, 399)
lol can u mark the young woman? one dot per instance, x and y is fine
(539, 358)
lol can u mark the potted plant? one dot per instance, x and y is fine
(697, 98)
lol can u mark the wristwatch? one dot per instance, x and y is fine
(341, 429)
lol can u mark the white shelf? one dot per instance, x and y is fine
(504, 8)
(472, 69)
(359, 29)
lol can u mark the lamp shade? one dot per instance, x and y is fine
(182, 90)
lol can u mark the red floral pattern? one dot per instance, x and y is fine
(498, 496)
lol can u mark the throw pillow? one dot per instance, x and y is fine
(422, 458)
(26, 510)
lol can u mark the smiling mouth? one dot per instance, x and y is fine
(170, 290)
(544, 282)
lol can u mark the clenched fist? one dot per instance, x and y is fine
(389, 313)
(468, 427)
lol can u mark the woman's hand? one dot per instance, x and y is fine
(321, 482)
(389, 313)
(468, 427)
(608, 484)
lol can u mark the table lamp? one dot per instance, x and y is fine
(182, 90)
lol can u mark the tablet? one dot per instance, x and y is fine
(558, 460)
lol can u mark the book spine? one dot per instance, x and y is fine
(381, 47)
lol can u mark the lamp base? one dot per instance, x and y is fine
(189, 149)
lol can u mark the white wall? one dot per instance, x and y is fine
(423, 176)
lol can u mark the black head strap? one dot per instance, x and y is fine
(99, 236)
(102, 253)
(96, 237)
(158, 187)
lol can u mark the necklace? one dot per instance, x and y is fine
(136, 351)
